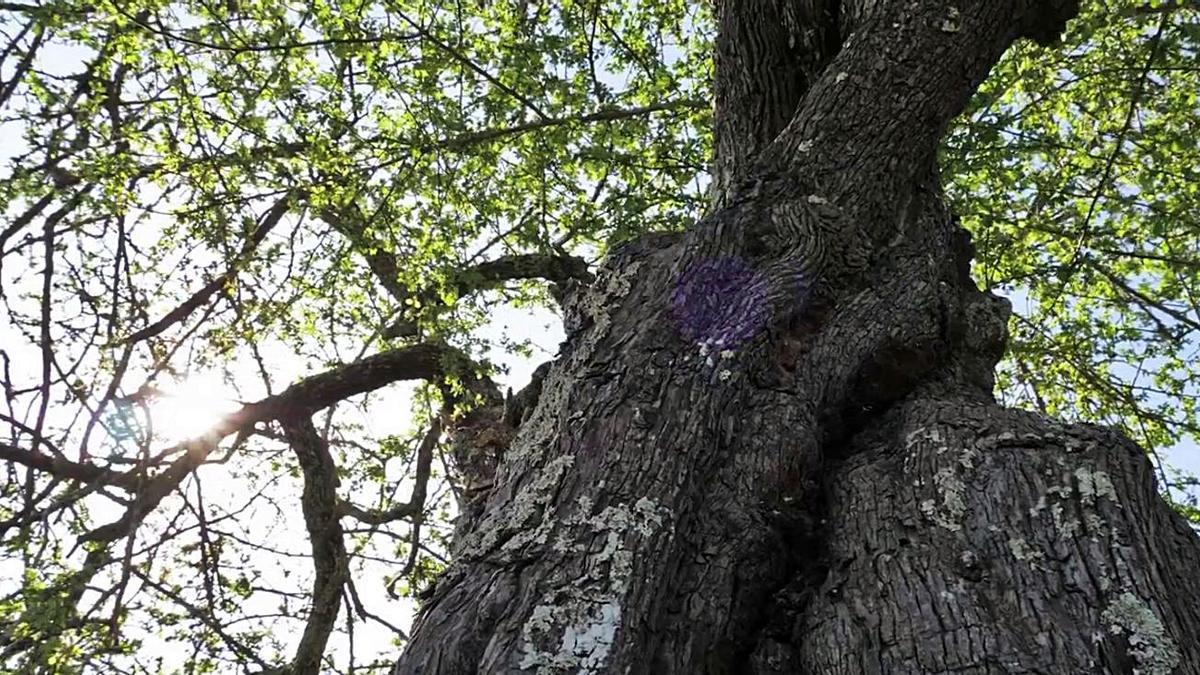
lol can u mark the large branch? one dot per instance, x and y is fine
(767, 53)
(554, 268)
(878, 112)
(58, 467)
(419, 362)
(557, 269)
(331, 566)
(424, 361)
(352, 223)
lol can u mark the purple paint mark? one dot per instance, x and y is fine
(721, 303)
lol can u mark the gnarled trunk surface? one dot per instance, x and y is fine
(769, 444)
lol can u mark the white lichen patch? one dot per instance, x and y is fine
(967, 457)
(539, 435)
(922, 434)
(574, 629)
(523, 511)
(1037, 508)
(1021, 550)
(1092, 486)
(805, 146)
(1084, 487)
(953, 21)
(645, 518)
(1149, 644)
(841, 77)
(817, 199)
(599, 299)
(1063, 524)
(592, 643)
(725, 374)
(1067, 527)
(584, 645)
(1095, 485)
(650, 515)
(541, 619)
(953, 501)
(1076, 444)
(916, 436)
(563, 542)
(1061, 491)
(727, 353)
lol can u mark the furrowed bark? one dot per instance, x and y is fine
(767, 54)
(747, 414)
(963, 537)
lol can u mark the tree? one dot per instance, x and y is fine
(771, 445)
(769, 441)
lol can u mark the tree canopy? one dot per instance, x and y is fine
(302, 204)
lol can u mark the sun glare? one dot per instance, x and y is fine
(189, 407)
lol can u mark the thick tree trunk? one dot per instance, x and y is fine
(769, 444)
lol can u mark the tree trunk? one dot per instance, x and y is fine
(769, 444)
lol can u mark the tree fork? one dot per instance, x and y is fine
(814, 351)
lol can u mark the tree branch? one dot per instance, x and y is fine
(473, 67)
(351, 223)
(1085, 228)
(416, 501)
(554, 268)
(423, 361)
(879, 110)
(331, 567)
(607, 115)
(202, 296)
(767, 53)
(203, 616)
(66, 469)
(23, 65)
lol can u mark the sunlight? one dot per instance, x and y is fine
(189, 407)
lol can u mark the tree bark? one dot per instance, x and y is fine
(769, 444)
(767, 54)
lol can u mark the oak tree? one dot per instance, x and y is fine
(793, 424)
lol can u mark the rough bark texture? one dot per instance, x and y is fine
(769, 444)
(767, 54)
(966, 538)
